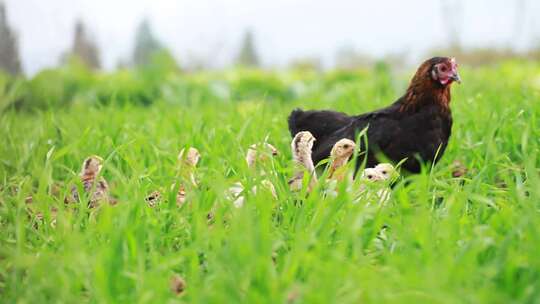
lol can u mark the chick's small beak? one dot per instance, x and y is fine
(455, 77)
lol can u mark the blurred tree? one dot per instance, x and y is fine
(9, 51)
(162, 63)
(247, 55)
(122, 64)
(146, 45)
(84, 48)
(306, 64)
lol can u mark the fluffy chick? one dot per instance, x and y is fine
(236, 192)
(188, 164)
(98, 190)
(337, 171)
(301, 146)
(371, 174)
(256, 153)
(188, 160)
(381, 173)
(386, 171)
(339, 156)
(260, 152)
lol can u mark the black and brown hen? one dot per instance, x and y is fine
(416, 127)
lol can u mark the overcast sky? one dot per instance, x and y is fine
(284, 29)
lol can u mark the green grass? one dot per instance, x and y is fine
(473, 239)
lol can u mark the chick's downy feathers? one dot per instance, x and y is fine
(339, 156)
(301, 147)
(259, 153)
(96, 188)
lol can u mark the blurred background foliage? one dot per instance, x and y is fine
(153, 74)
(163, 81)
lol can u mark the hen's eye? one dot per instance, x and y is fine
(443, 69)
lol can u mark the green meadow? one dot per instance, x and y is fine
(473, 238)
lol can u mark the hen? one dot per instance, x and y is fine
(416, 127)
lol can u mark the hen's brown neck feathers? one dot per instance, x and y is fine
(423, 90)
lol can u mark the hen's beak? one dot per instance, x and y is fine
(456, 77)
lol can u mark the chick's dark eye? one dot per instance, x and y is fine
(370, 176)
(346, 146)
(443, 69)
(384, 172)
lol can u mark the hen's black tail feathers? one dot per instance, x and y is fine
(320, 123)
(293, 119)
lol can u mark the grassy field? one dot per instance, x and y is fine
(471, 239)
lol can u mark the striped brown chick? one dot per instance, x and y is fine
(97, 189)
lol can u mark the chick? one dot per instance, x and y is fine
(337, 171)
(177, 285)
(188, 163)
(339, 156)
(458, 169)
(371, 174)
(153, 198)
(181, 195)
(386, 171)
(256, 154)
(301, 146)
(235, 194)
(38, 216)
(97, 190)
(260, 152)
(373, 177)
(237, 190)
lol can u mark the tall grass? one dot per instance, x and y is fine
(471, 239)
